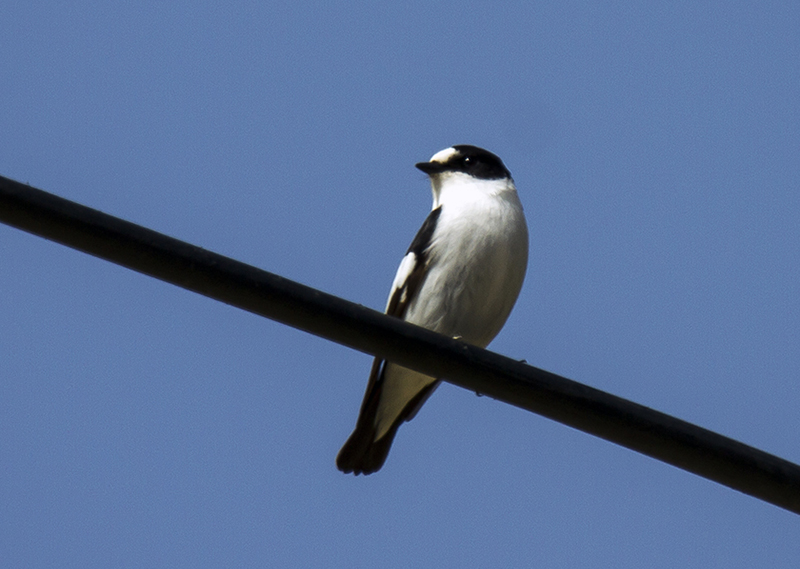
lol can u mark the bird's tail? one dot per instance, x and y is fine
(362, 454)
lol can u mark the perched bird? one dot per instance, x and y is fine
(461, 277)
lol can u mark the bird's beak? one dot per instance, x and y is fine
(431, 168)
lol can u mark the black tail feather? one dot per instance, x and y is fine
(362, 453)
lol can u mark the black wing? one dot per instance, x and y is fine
(362, 453)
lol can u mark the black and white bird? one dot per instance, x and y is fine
(461, 277)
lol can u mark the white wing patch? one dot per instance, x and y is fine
(404, 271)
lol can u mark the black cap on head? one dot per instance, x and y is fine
(468, 159)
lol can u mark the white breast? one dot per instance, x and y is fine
(478, 259)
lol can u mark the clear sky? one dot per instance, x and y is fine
(656, 147)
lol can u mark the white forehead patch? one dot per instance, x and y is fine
(444, 155)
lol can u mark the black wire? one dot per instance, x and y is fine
(634, 426)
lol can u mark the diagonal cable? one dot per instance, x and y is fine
(618, 420)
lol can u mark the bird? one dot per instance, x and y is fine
(461, 277)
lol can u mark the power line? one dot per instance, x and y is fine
(629, 424)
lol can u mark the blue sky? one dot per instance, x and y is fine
(656, 149)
